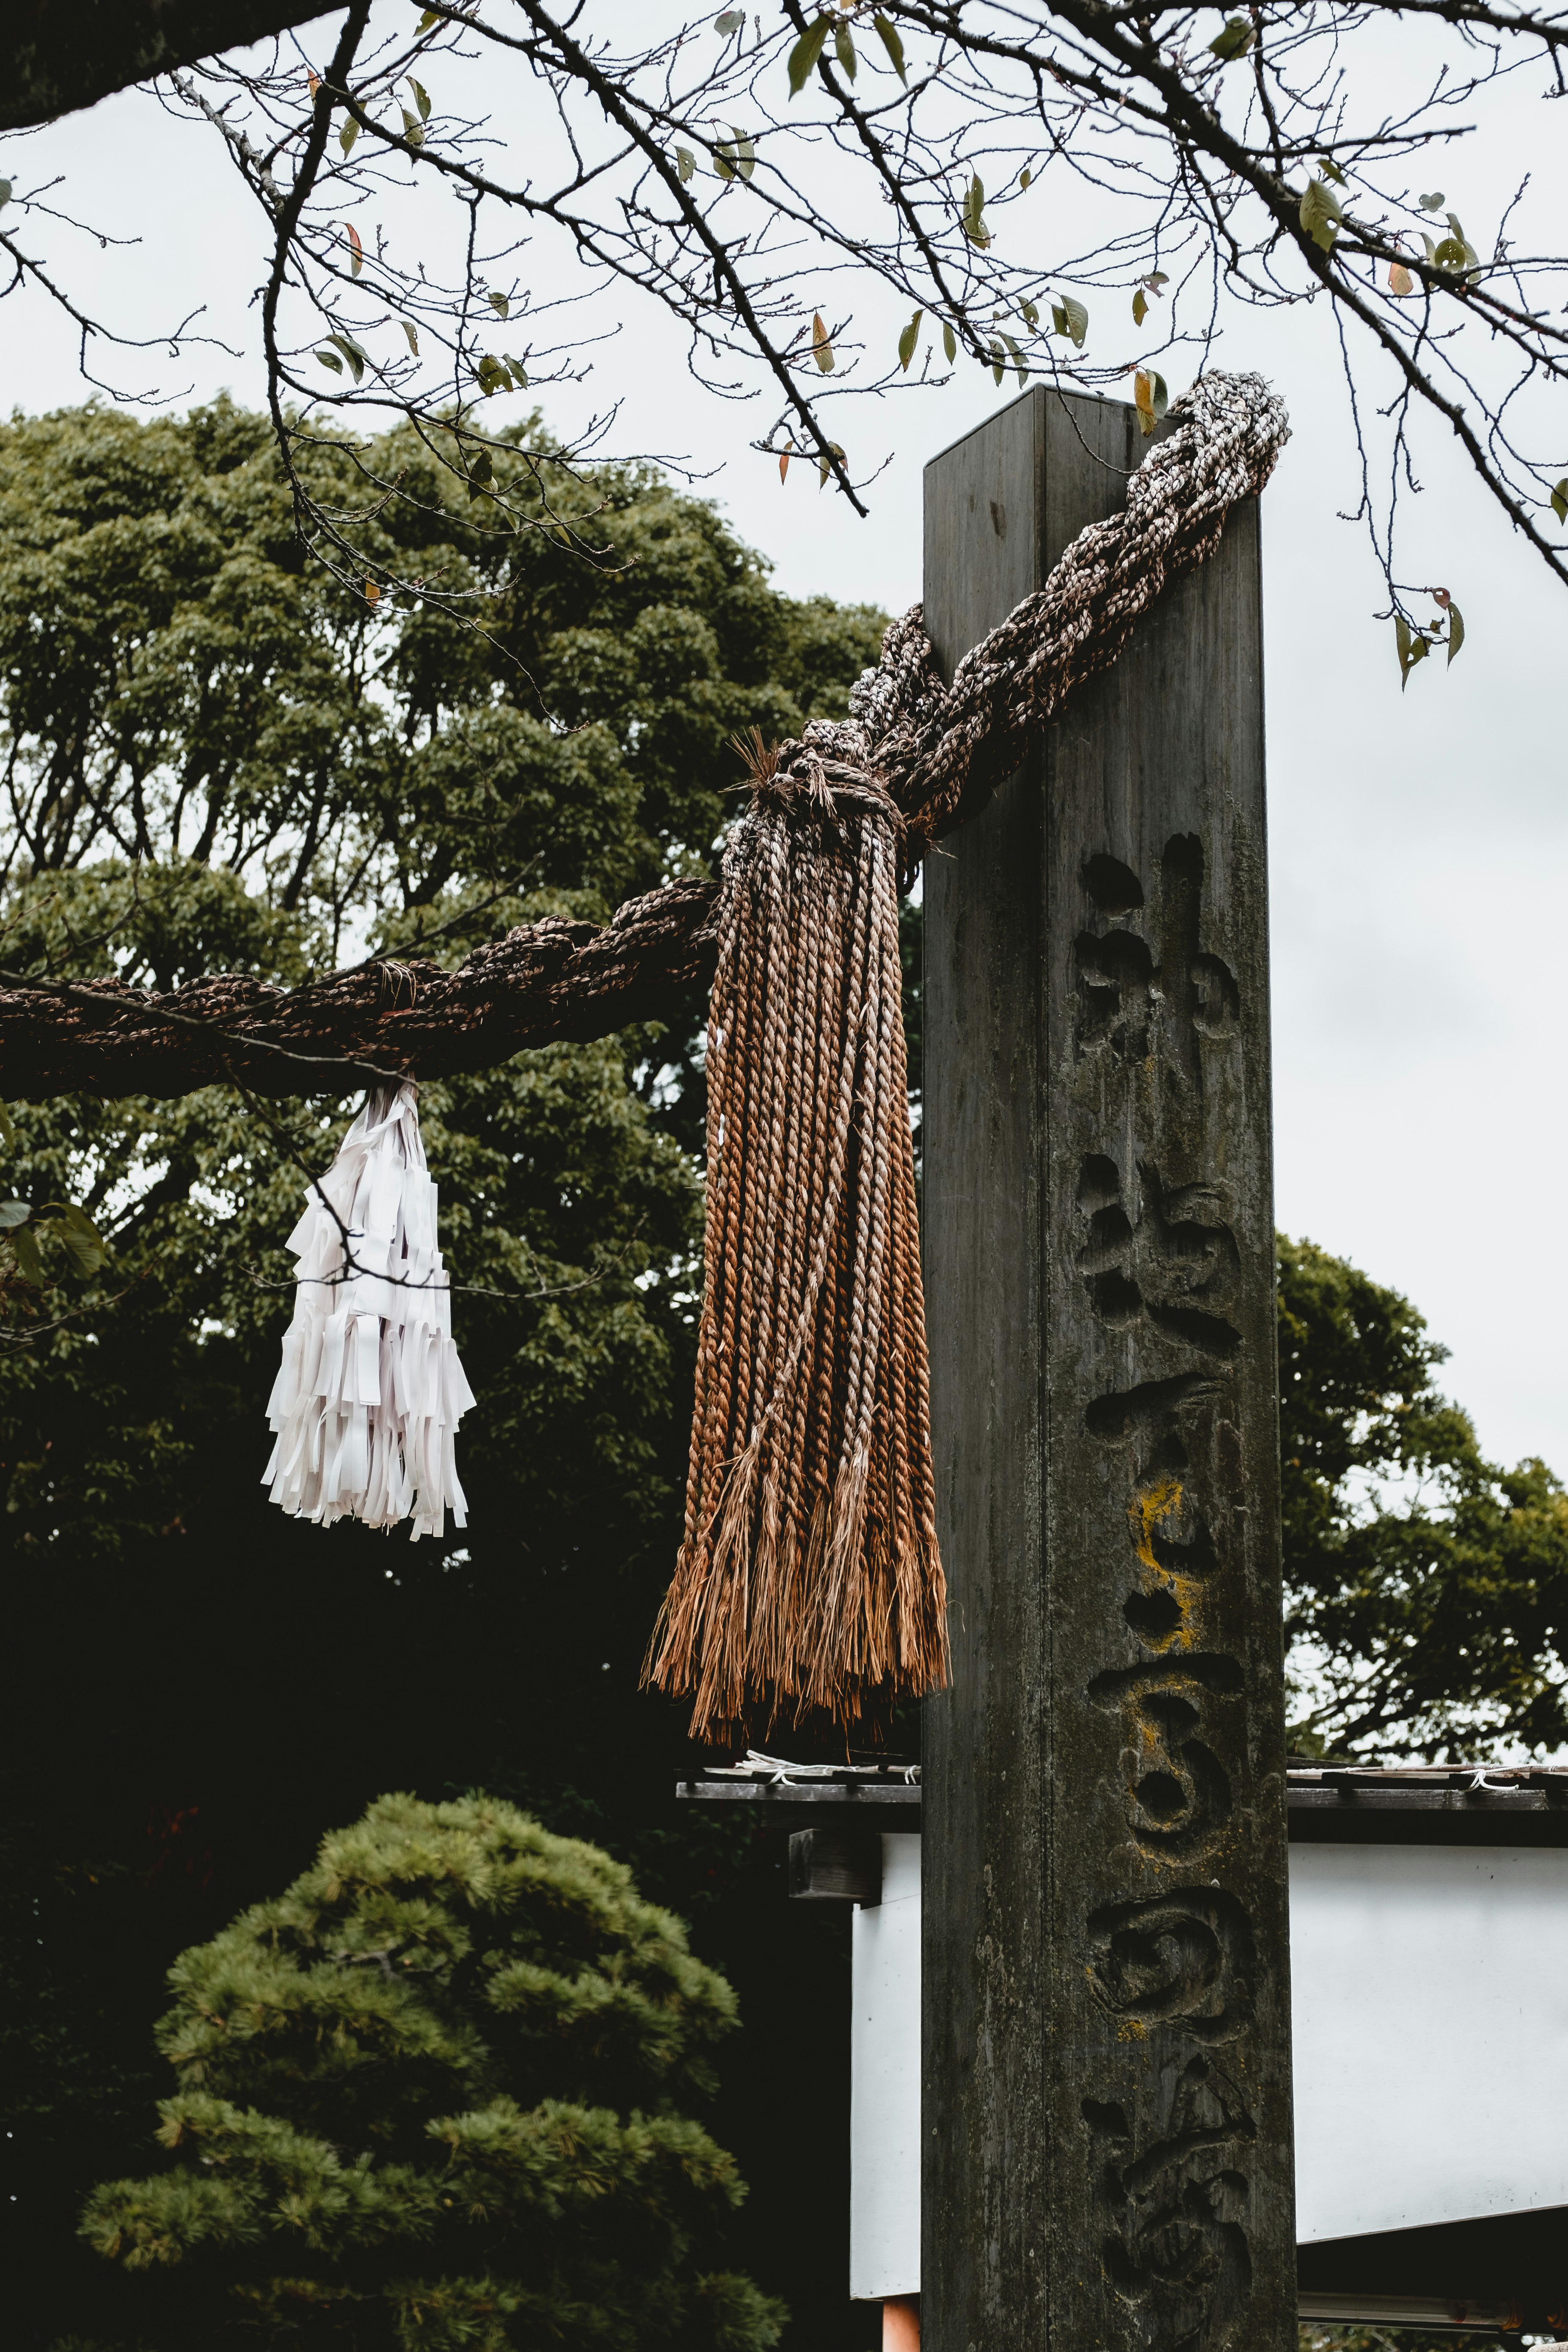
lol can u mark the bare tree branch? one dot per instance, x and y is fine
(1078, 190)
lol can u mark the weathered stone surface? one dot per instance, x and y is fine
(1106, 2113)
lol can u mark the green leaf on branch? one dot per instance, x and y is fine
(519, 374)
(84, 1244)
(1030, 314)
(481, 473)
(973, 213)
(356, 353)
(1024, 177)
(413, 128)
(1070, 318)
(844, 50)
(1140, 307)
(907, 341)
(412, 338)
(28, 1257)
(1456, 250)
(949, 341)
(998, 359)
(348, 134)
(805, 53)
(1560, 499)
(1331, 170)
(735, 155)
(1234, 40)
(491, 374)
(1433, 204)
(1018, 359)
(500, 306)
(1321, 213)
(421, 98)
(888, 33)
(13, 1213)
(331, 360)
(4, 194)
(825, 464)
(685, 162)
(1412, 647)
(1456, 637)
(427, 20)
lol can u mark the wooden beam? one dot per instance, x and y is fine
(835, 1865)
(1106, 2116)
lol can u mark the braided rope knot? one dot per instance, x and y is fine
(828, 773)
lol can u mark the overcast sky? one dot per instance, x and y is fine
(1419, 843)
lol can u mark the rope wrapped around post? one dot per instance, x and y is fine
(809, 1577)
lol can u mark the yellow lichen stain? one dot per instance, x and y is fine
(1149, 1505)
(1133, 2029)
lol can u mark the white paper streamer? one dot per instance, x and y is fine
(370, 1391)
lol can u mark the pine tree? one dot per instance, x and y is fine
(432, 2096)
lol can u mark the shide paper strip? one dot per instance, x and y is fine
(371, 1389)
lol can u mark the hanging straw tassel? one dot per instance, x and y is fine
(371, 1390)
(809, 1577)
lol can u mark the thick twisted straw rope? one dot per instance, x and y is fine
(937, 751)
(809, 1577)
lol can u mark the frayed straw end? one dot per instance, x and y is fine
(810, 1581)
(759, 758)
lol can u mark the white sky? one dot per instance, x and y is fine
(1419, 843)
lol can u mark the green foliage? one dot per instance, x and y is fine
(428, 2097)
(1428, 1587)
(217, 760)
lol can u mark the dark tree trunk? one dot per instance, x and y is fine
(57, 56)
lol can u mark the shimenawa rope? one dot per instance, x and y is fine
(809, 1575)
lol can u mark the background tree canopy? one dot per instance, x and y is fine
(1428, 1587)
(217, 758)
(433, 2095)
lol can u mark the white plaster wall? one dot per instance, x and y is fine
(885, 2083)
(1430, 2002)
(1429, 1992)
